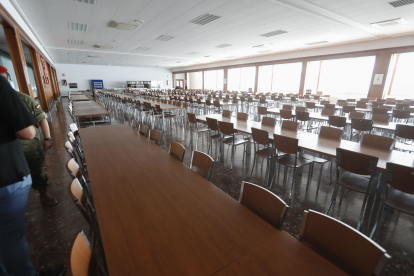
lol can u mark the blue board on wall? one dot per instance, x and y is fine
(97, 84)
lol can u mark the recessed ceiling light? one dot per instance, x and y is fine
(72, 54)
(391, 22)
(104, 47)
(273, 33)
(139, 21)
(123, 26)
(206, 56)
(223, 45)
(73, 26)
(93, 2)
(94, 56)
(71, 58)
(317, 42)
(76, 42)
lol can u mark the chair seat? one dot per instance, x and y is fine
(354, 182)
(236, 141)
(265, 153)
(400, 201)
(289, 161)
(313, 158)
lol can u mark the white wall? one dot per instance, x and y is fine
(112, 76)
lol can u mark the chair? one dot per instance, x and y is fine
(348, 109)
(327, 112)
(342, 245)
(330, 106)
(404, 135)
(242, 116)
(156, 137)
(213, 126)
(361, 104)
(134, 124)
(337, 121)
(193, 122)
(385, 118)
(268, 121)
(400, 115)
(289, 147)
(398, 191)
(261, 111)
(290, 125)
(355, 167)
(360, 125)
(287, 107)
(227, 129)
(305, 122)
(226, 113)
(310, 105)
(261, 138)
(202, 164)
(263, 203)
(177, 150)
(286, 114)
(143, 130)
(377, 141)
(356, 115)
(73, 169)
(80, 260)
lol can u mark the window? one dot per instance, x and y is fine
(283, 78)
(241, 79)
(342, 78)
(195, 80)
(213, 79)
(400, 79)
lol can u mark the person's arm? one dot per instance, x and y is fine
(27, 133)
(46, 133)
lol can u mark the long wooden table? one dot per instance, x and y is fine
(158, 217)
(75, 98)
(89, 109)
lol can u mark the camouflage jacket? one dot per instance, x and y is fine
(38, 114)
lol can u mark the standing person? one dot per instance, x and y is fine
(33, 148)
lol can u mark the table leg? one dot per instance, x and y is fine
(163, 121)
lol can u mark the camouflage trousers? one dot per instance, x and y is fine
(35, 159)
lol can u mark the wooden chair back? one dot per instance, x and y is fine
(377, 141)
(331, 132)
(226, 128)
(286, 144)
(287, 107)
(226, 113)
(156, 136)
(177, 150)
(300, 108)
(143, 130)
(348, 108)
(310, 105)
(400, 177)
(381, 118)
(355, 114)
(402, 105)
(191, 118)
(379, 110)
(242, 116)
(377, 104)
(134, 124)
(330, 106)
(355, 162)
(269, 121)
(361, 124)
(302, 116)
(79, 259)
(401, 114)
(262, 110)
(260, 136)
(404, 131)
(263, 203)
(361, 105)
(290, 125)
(286, 114)
(337, 121)
(325, 102)
(342, 245)
(202, 164)
(327, 112)
(212, 124)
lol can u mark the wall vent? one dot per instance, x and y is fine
(400, 3)
(317, 42)
(103, 47)
(193, 53)
(204, 19)
(93, 2)
(76, 42)
(269, 34)
(73, 26)
(143, 48)
(223, 45)
(391, 22)
(123, 26)
(164, 38)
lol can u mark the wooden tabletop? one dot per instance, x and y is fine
(76, 93)
(86, 109)
(163, 106)
(79, 98)
(158, 217)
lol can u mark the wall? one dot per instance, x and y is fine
(112, 76)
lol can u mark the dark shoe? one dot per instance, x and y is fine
(56, 271)
(47, 199)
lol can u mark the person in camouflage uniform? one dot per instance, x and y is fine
(33, 150)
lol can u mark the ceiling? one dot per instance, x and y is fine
(241, 24)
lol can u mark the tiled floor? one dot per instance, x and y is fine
(50, 230)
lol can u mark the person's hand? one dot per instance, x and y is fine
(47, 145)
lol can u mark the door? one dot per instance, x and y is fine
(179, 83)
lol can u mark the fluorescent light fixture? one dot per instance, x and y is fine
(72, 54)
(75, 42)
(93, 2)
(73, 26)
(391, 22)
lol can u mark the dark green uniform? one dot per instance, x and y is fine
(33, 148)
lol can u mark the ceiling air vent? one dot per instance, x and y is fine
(391, 22)
(72, 54)
(123, 26)
(93, 2)
(193, 53)
(77, 27)
(269, 34)
(164, 38)
(103, 47)
(317, 42)
(400, 3)
(143, 48)
(204, 19)
(76, 42)
(223, 45)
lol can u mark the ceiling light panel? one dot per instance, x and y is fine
(72, 54)
(75, 42)
(273, 33)
(73, 26)
(143, 48)
(93, 2)
(204, 19)
(164, 38)
(391, 22)
(400, 3)
(223, 45)
(123, 26)
(103, 47)
(317, 42)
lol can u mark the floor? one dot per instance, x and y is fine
(50, 230)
